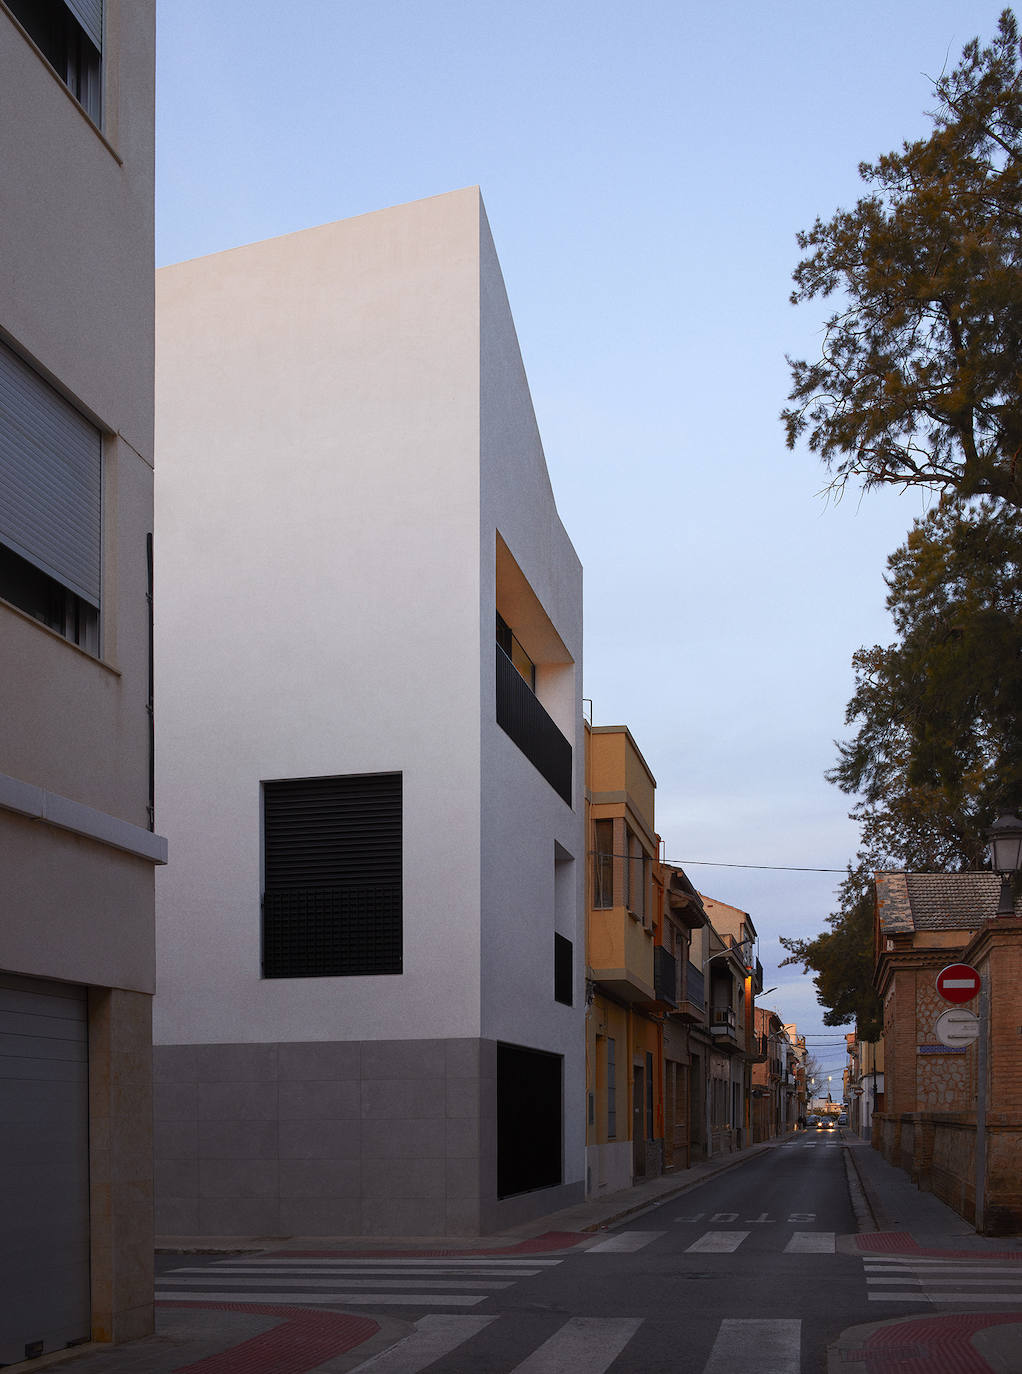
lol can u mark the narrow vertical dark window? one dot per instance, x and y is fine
(563, 970)
(332, 876)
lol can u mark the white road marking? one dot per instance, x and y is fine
(811, 1243)
(583, 1345)
(768, 1347)
(934, 1281)
(289, 1274)
(897, 1278)
(432, 1338)
(278, 1279)
(625, 1242)
(397, 1261)
(942, 1298)
(718, 1242)
(939, 1266)
(300, 1298)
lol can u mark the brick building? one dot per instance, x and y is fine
(925, 921)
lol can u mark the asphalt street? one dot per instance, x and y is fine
(747, 1271)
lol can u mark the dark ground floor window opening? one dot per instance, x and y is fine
(529, 1119)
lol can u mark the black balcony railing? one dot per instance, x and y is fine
(722, 1018)
(695, 985)
(665, 975)
(520, 715)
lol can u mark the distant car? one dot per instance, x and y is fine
(843, 1119)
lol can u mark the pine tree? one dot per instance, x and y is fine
(919, 380)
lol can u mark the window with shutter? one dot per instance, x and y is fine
(69, 34)
(51, 482)
(332, 876)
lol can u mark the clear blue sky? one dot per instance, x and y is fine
(645, 169)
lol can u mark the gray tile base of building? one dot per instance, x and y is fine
(350, 1138)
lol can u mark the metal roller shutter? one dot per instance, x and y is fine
(332, 876)
(51, 475)
(44, 1167)
(89, 14)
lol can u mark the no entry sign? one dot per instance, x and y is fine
(958, 983)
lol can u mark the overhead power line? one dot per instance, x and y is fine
(778, 868)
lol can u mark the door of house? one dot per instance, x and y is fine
(638, 1122)
(697, 1107)
(44, 1167)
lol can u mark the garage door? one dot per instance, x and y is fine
(44, 1167)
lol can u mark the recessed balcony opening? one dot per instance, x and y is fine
(535, 677)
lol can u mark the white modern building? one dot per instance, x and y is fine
(77, 841)
(369, 1014)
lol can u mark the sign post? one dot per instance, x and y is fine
(981, 1108)
(958, 983)
(961, 983)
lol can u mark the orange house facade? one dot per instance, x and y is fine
(643, 1084)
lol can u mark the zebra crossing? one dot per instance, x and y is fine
(940, 1281)
(357, 1281)
(428, 1281)
(590, 1345)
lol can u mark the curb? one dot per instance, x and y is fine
(866, 1213)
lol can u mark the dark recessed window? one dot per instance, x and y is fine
(563, 971)
(69, 34)
(332, 876)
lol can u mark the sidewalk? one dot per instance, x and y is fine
(894, 1217)
(898, 1219)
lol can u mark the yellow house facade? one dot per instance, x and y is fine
(624, 909)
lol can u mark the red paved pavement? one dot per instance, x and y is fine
(930, 1345)
(902, 1243)
(300, 1342)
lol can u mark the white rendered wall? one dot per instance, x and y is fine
(319, 590)
(525, 823)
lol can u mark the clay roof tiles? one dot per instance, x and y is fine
(938, 901)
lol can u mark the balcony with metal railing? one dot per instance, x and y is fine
(521, 715)
(665, 977)
(724, 1025)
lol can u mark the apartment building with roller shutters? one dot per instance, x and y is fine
(370, 1011)
(77, 841)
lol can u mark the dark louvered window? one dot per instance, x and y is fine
(332, 876)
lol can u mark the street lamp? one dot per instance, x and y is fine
(1005, 837)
